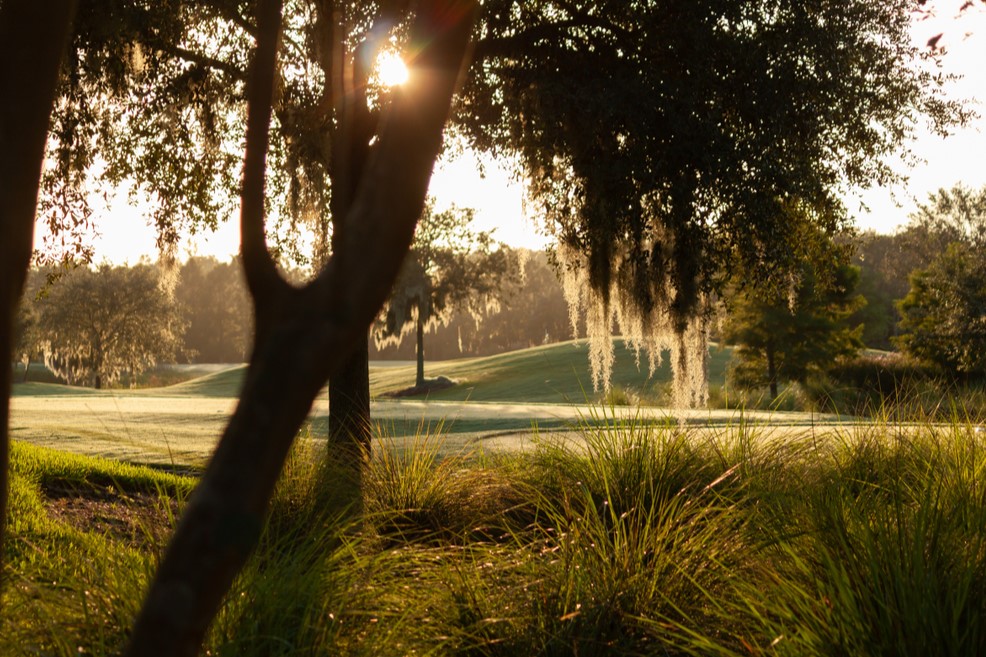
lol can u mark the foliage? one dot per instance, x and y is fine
(944, 314)
(214, 303)
(895, 386)
(166, 123)
(950, 215)
(789, 335)
(532, 312)
(662, 140)
(885, 263)
(94, 326)
(26, 339)
(449, 267)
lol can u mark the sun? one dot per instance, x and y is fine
(391, 69)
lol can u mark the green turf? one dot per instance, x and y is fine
(556, 373)
(225, 383)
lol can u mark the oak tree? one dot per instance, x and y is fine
(943, 316)
(662, 140)
(96, 326)
(450, 268)
(302, 334)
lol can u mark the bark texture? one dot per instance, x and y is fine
(32, 40)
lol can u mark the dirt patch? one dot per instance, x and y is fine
(430, 385)
(141, 520)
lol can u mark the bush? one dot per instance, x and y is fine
(877, 384)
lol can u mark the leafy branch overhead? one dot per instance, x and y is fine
(662, 140)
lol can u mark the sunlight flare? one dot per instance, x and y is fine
(391, 69)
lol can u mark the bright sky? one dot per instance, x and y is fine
(947, 161)
(498, 199)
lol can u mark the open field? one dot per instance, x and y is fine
(501, 403)
(182, 431)
(515, 524)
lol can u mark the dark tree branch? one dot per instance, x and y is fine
(234, 17)
(262, 277)
(307, 335)
(32, 40)
(549, 32)
(202, 60)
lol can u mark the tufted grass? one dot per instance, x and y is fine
(642, 538)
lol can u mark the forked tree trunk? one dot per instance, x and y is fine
(32, 39)
(303, 335)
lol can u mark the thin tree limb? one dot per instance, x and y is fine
(200, 59)
(262, 276)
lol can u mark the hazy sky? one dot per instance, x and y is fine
(499, 200)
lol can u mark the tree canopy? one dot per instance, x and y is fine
(663, 140)
(943, 316)
(450, 267)
(794, 334)
(95, 327)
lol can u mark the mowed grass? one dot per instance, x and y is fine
(644, 540)
(180, 424)
(553, 374)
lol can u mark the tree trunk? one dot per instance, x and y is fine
(771, 372)
(419, 379)
(350, 425)
(303, 336)
(32, 39)
(27, 369)
(350, 429)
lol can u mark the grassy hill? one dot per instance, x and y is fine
(554, 373)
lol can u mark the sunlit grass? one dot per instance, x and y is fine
(641, 538)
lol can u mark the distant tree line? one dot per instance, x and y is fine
(99, 326)
(921, 290)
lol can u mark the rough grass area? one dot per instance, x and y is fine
(637, 540)
(84, 534)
